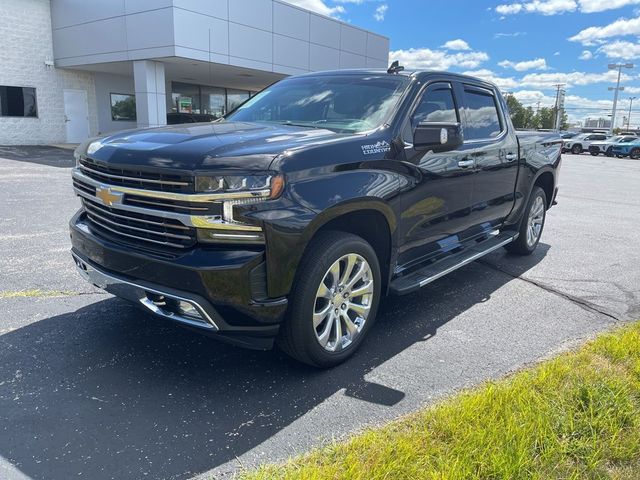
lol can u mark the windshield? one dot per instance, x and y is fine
(343, 103)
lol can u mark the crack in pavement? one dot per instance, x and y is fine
(584, 304)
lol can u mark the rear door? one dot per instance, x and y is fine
(437, 206)
(493, 146)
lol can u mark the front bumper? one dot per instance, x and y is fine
(222, 288)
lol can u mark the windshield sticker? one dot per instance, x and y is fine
(379, 147)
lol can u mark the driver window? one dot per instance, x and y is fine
(436, 106)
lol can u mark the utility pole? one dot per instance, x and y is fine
(558, 109)
(538, 107)
(631, 99)
(616, 89)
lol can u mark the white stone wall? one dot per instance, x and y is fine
(26, 43)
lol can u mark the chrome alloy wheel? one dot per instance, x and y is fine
(343, 302)
(535, 222)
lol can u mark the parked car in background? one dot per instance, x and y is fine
(628, 149)
(606, 146)
(580, 143)
(567, 135)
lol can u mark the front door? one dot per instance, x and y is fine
(436, 210)
(76, 115)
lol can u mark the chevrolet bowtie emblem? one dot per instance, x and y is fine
(107, 196)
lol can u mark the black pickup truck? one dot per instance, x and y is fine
(288, 220)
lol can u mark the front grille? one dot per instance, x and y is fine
(140, 229)
(136, 178)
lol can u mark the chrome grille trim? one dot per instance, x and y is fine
(181, 197)
(125, 217)
(92, 213)
(156, 242)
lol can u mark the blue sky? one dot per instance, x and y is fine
(524, 46)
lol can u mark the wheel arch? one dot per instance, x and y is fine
(546, 181)
(370, 219)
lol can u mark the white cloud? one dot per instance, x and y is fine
(621, 27)
(318, 6)
(428, 59)
(380, 12)
(512, 34)
(621, 50)
(586, 55)
(632, 90)
(591, 6)
(556, 54)
(555, 7)
(457, 44)
(536, 64)
(545, 7)
(548, 80)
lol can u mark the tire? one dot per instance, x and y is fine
(524, 244)
(609, 152)
(620, 156)
(576, 149)
(312, 336)
(634, 153)
(595, 154)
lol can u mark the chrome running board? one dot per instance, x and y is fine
(419, 278)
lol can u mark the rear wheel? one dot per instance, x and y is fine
(334, 301)
(531, 225)
(634, 153)
(576, 149)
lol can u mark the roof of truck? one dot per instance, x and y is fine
(404, 73)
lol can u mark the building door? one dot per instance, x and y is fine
(76, 115)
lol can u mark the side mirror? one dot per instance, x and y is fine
(439, 137)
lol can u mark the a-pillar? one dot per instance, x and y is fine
(151, 103)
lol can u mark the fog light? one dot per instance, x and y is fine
(188, 310)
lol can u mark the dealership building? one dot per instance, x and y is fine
(71, 69)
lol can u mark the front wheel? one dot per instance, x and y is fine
(576, 149)
(594, 153)
(609, 152)
(531, 225)
(635, 153)
(334, 301)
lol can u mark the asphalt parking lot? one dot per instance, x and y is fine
(90, 387)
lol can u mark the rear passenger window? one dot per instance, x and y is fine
(436, 106)
(481, 112)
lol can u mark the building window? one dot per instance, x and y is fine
(185, 98)
(123, 107)
(18, 102)
(212, 102)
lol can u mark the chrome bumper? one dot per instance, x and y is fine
(164, 304)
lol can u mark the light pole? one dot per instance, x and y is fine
(617, 88)
(631, 99)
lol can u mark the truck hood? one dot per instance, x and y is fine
(204, 146)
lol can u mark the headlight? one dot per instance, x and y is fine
(249, 186)
(235, 190)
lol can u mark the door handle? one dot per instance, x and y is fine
(466, 163)
(510, 157)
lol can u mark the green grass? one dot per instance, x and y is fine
(574, 417)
